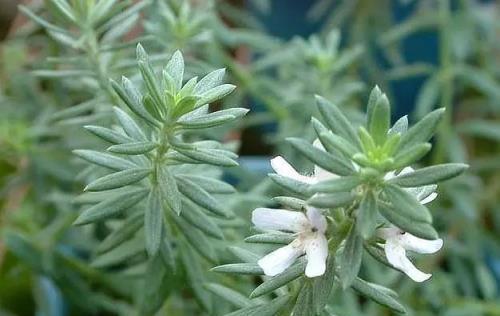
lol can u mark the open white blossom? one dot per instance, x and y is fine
(398, 241)
(311, 240)
(396, 244)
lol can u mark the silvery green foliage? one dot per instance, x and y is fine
(90, 35)
(105, 266)
(303, 68)
(362, 184)
(167, 205)
(147, 158)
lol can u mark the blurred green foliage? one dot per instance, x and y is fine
(54, 80)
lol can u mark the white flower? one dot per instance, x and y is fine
(311, 240)
(398, 241)
(283, 168)
(396, 244)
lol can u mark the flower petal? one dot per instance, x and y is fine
(412, 243)
(389, 232)
(406, 170)
(396, 256)
(316, 253)
(316, 219)
(429, 198)
(317, 143)
(283, 168)
(280, 259)
(321, 174)
(277, 219)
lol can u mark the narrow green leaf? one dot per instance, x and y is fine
(111, 206)
(212, 119)
(374, 292)
(407, 204)
(423, 130)
(120, 254)
(231, 296)
(321, 158)
(210, 81)
(336, 120)
(281, 279)
(210, 185)
(133, 99)
(392, 143)
(337, 184)
(148, 75)
(380, 121)
(169, 191)
(323, 286)
(239, 268)
(153, 223)
(367, 141)
(75, 110)
(196, 276)
(129, 125)
(338, 199)
(378, 253)
(118, 179)
(155, 286)
(304, 304)
(196, 217)
(419, 229)
(175, 68)
(244, 254)
(271, 238)
(375, 94)
(411, 155)
(123, 15)
(267, 309)
(215, 94)
(366, 220)
(41, 21)
(335, 143)
(429, 175)
(290, 202)
(196, 239)
(123, 233)
(134, 148)
(289, 184)
(104, 160)
(188, 88)
(319, 128)
(108, 135)
(401, 126)
(201, 197)
(209, 156)
(350, 260)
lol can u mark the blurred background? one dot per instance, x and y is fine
(423, 53)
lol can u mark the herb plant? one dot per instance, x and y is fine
(126, 187)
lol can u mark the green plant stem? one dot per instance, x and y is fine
(94, 57)
(444, 131)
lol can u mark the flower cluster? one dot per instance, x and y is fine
(362, 195)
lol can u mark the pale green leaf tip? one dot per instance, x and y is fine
(79, 221)
(177, 54)
(141, 53)
(125, 80)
